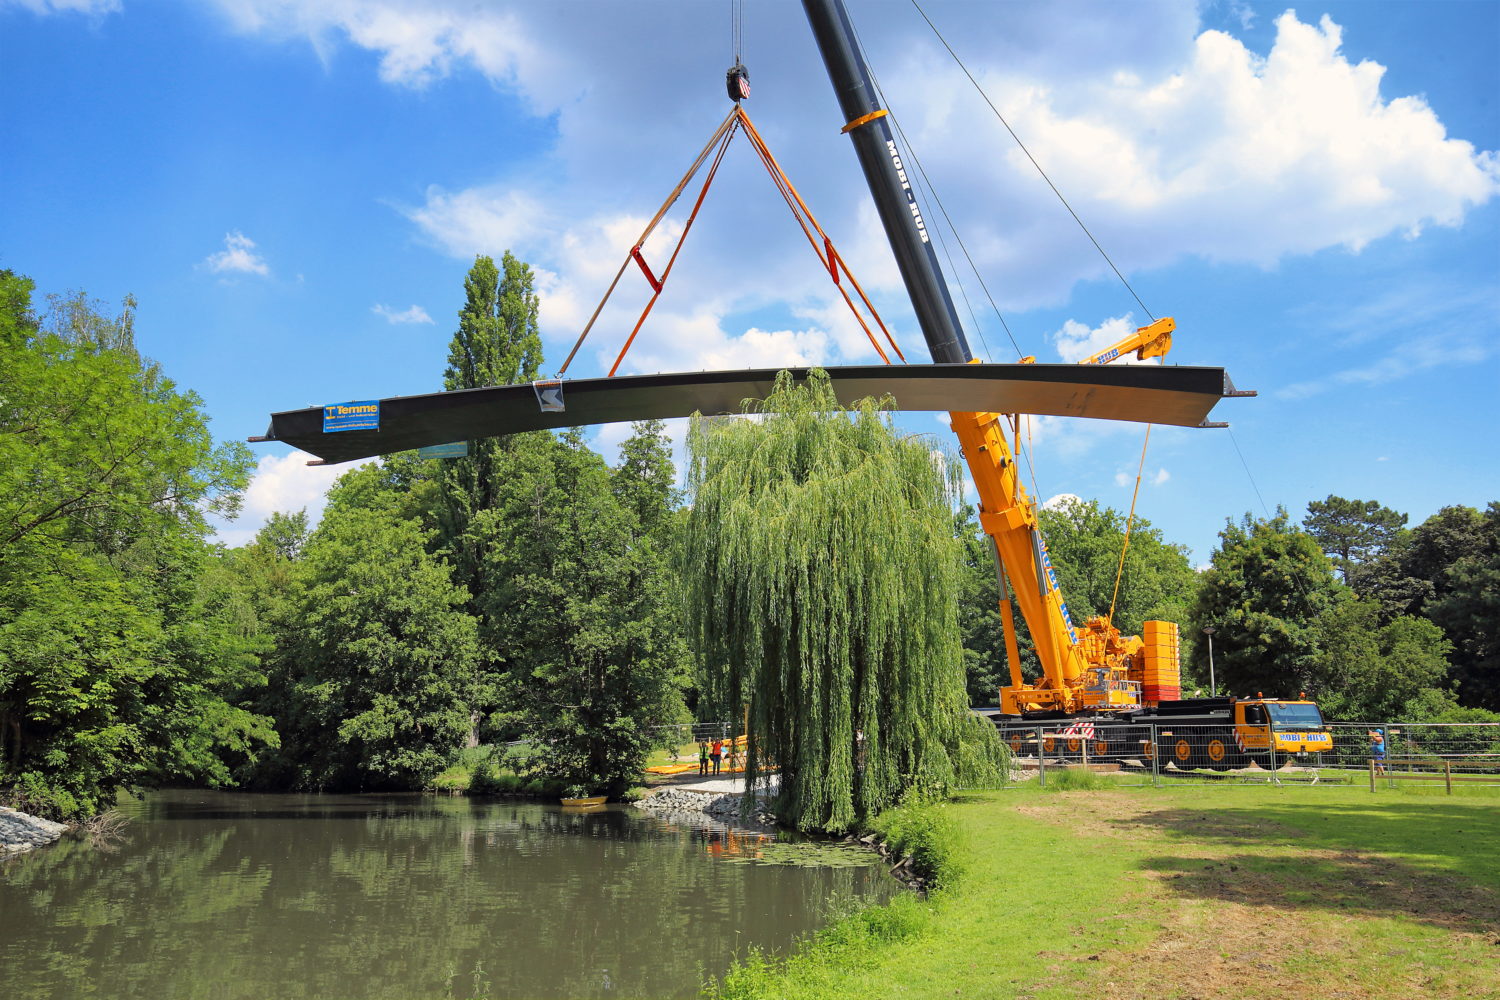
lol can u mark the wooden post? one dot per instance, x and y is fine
(1448, 775)
(1372, 774)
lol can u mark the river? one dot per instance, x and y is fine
(224, 895)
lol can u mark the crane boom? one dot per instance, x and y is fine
(1093, 668)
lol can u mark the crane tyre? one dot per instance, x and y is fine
(1217, 754)
(1183, 756)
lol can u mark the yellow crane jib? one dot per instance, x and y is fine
(1152, 341)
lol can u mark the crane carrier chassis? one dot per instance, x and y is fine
(1218, 734)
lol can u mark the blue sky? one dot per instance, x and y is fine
(294, 190)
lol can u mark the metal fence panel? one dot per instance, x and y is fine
(1166, 754)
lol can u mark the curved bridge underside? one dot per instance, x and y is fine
(1144, 393)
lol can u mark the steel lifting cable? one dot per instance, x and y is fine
(1129, 521)
(726, 125)
(827, 254)
(657, 284)
(1034, 163)
(911, 150)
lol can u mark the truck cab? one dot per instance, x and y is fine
(1296, 726)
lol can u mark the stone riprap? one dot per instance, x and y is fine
(21, 832)
(680, 802)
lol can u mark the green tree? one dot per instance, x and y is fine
(497, 343)
(1085, 541)
(1265, 590)
(1351, 532)
(99, 448)
(645, 481)
(1364, 671)
(593, 647)
(823, 579)
(1468, 609)
(17, 324)
(384, 656)
(980, 627)
(114, 661)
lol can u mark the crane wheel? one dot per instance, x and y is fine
(1183, 756)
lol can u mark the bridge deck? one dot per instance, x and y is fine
(1145, 393)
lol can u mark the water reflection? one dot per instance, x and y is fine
(228, 895)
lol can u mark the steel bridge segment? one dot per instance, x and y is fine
(1154, 394)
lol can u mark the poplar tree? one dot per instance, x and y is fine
(822, 578)
(497, 343)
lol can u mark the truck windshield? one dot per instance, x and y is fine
(1296, 716)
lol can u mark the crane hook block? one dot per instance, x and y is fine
(737, 82)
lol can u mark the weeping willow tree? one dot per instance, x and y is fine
(822, 578)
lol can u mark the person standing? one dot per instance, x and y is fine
(717, 754)
(702, 757)
(1377, 749)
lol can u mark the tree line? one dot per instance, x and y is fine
(532, 590)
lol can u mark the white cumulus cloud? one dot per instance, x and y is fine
(415, 314)
(282, 484)
(237, 257)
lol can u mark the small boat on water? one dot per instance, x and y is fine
(592, 800)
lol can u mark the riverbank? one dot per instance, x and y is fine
(20, 832)
(1137, 893)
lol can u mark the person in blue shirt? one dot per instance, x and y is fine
(1377, 749)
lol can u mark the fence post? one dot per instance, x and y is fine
(1041, 759)
(1372, 774)
(1448, 775)
(1155, 759)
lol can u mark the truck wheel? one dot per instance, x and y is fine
(1183, 756)
(1218, 754)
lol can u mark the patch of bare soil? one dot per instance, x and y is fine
(1239, 910)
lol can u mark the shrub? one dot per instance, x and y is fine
(929, 836)
(487, 780)
(32, 794)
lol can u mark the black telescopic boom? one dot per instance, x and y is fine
(895, 199)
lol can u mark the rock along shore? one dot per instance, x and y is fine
(669, 802)
(21, 832)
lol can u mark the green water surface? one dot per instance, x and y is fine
(223, 895)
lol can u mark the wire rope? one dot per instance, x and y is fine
(943, 210)
(1248, 474)
(1033, 160)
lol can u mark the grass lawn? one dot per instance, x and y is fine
(1189, 892)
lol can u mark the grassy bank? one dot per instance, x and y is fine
(1178, 893)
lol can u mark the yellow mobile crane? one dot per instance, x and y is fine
(1093, 673)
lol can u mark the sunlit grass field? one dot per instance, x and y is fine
(1183, 892)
